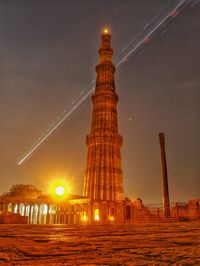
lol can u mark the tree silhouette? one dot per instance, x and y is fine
(24, 191)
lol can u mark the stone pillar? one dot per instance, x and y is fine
(30, 214)
(5, 208)
(1, 208)
(57, 214)
(38, 214)
(47, 215)
(12, 207)
(166, 204)
(18, 208)
(25, 209)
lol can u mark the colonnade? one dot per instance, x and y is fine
(39, 213)
(84, 211)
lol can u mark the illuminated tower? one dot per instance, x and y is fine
(103, 178)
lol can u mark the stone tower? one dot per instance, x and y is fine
(103, 178)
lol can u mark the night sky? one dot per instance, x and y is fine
(48, 54)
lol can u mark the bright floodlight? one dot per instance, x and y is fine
(59, 190)
(105, 31)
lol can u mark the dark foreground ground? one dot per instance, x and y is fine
(147, 244)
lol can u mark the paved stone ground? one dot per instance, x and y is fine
(139, 244)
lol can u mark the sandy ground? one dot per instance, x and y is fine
(147, 244)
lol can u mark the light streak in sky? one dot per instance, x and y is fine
(54, 127)
(195, 2)
(145, 27)
(148, 35)
(145, 35)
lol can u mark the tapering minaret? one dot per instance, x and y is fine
(103, 178)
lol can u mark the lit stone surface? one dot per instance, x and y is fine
(147, 244)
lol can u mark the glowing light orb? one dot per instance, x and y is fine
(105, 31)
(60, 190)
(111, 218)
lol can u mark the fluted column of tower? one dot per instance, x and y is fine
(103, 177)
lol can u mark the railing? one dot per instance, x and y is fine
(179, 211)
